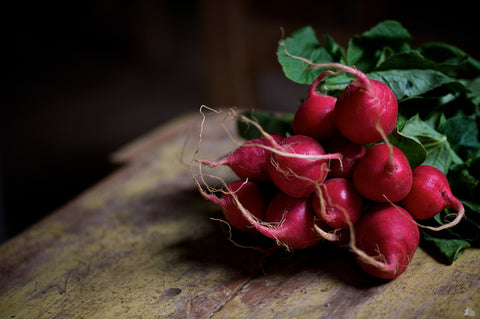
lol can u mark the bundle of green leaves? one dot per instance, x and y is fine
(437, 86)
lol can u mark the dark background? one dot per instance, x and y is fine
(84, 78)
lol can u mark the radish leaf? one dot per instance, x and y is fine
(304, 43)
(415, 82)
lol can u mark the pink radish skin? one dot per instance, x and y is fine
(351, 155)
(337, 203)
(292, 220)
(296, 176)
(249, 160)
(431, 194)
(315, 116)
(383, 174)
(385, 240)
(363, 107)
(364, 104)
(250, 195)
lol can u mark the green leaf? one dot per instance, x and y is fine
(436, 81)
(336, 51)
(450, 243)
(303, 43)
(365, 51)
(449, 249)
(441, 156)
(388, 32)
(451, 59)
(335, 84)
(474, 90)
(269, 121)
(415, 82)
(462, 182)
(410, 146)
(439, 152)
(470, 230)
(462, 131)
(407, 60)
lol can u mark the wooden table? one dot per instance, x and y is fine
(142, 244)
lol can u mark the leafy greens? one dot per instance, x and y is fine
(437, 86)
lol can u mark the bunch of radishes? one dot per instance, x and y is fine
(337, 178)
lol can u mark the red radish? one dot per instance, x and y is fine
(337, 203)
(289, 221)
(315, 116)
(249, 160)
(431, 194)
(299, 165)
(383, 174)
(246, 192)
(351, 154)
(385, 240)
(363, 107)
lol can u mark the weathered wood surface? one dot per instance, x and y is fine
(142, 244)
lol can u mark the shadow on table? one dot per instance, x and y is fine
(209, 245)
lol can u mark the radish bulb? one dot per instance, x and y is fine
(431, 194)
(315, 116)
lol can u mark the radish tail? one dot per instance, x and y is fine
(458, 206)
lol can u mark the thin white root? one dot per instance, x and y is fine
(333, 237)
(460, 213)
(277, 149)
(230, 236)
(458, 218)
(389, 166)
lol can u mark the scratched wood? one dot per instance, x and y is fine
(142, 243)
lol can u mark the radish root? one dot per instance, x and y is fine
(265, 251)
(330, 236)
(389, 167)
(276, 148)
(379, 261)
(460, 213)
(376, 261)
(457, 205)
